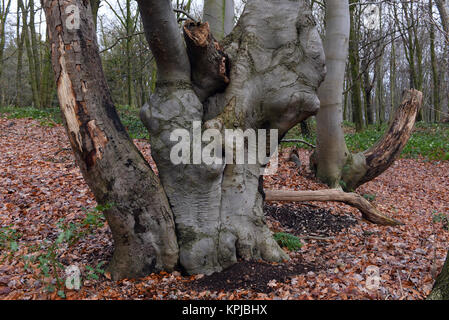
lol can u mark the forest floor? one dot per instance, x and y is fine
(42, 190)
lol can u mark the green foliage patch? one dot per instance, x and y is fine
(46, 256)
(51, 116)
(428, 140)
(288, 241)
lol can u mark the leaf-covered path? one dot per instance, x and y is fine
(40, 185)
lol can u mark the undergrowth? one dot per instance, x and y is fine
(46, 256)
(428, 140)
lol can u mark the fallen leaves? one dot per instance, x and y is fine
(40, 184)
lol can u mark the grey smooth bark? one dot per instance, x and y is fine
(220, 16)
(331, 152)
(332, 161)
(276, 65)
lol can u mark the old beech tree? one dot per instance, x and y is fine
(264, 74)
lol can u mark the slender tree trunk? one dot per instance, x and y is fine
(331, 153)
(380, 91)
(419, 60)
(95, 5)
(20, 40)
(305, 129)
(35, 45)
(140, 217)
(220, 16)
(393, 102)
(354, 64)
(31, 65)
(367, 91)
(379, 76)
(47, 81)
(435, 73)
(129, 31)
(4, 11)
(444, 14)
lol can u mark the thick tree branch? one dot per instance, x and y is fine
(162, 33)
(389, 148)
(369, 212)
(365, 166)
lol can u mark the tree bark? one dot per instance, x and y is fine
(354, 65)
(435, 73)
(140, 218)
(366, 166)
(35, 52)
(29, 51)
(4, 11)
(210, 65)
(369, 212)
(367, 93)
(444, 14)
(331, 153)
(393, 103)
(220, 16)
(95, 5)
(276, 64)
(440, 289)
(20, 39)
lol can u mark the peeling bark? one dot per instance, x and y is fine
(140, 217)
(210, 65)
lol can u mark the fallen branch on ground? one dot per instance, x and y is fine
(369, 212)
(299, 141)
(316, 238)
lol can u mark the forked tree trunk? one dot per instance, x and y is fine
(140, 217)
(274, 62)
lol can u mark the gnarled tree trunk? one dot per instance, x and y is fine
(275, 65)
